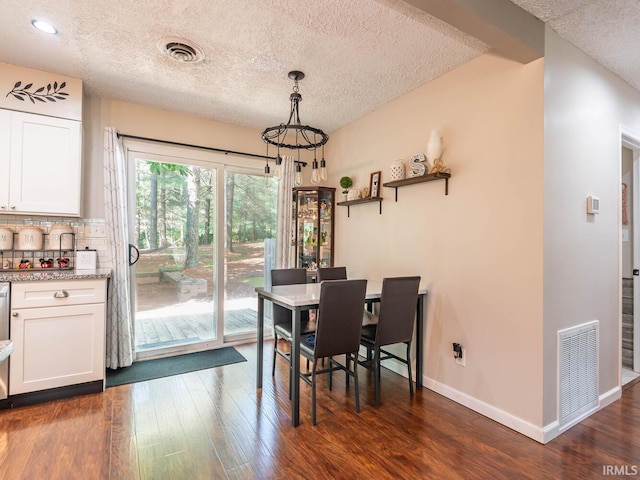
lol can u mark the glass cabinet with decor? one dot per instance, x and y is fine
(313, 209)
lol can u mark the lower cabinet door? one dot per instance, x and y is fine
(56, 347)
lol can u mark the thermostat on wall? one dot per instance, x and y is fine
(593, 204)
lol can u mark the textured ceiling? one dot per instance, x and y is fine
(608, 31)
(357, 54)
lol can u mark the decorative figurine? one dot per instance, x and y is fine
(62, 262)
(46, 263)
(416, 164)
(434, 153)
(24, 263)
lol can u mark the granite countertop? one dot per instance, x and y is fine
(6, 347)
(39, 275)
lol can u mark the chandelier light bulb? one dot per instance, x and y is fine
(323, 170)
(277, 171)
(267, 172)
(315, 174)
(298, 177)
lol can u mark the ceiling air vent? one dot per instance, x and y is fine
(181, 50)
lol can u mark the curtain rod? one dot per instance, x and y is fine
(212, 149)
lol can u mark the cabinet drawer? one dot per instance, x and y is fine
(57, 293)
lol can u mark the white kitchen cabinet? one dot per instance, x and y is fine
(40, 158)
(58, 334)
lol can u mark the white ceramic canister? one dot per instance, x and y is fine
(6, 238)
(58, 241)
(30, 238)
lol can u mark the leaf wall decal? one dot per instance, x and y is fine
(39, 94)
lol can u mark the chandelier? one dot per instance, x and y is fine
(295, 136)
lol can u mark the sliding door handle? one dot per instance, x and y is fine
(132, 250)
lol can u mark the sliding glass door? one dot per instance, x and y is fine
(250, 213)
(200, 222)
(173, 229)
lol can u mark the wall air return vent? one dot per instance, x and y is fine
(181, 50)
(577, 372)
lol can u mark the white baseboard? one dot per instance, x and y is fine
(494, 413)
(554, 429)
(539, 434)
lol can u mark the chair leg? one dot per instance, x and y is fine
(355, 379)
(275, 347)
(330, 374)
(376, 375)
(313, 394)
(409, 368)
(347, 362)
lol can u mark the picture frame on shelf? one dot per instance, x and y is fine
(374, 184)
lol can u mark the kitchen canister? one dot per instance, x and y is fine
(60, 237)
(30, 238)
(6, 238)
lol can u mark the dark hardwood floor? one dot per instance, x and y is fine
(213, 424)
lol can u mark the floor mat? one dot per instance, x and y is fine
(164, 367)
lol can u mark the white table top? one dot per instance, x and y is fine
(309, 293)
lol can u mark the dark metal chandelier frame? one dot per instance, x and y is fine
(306, 137)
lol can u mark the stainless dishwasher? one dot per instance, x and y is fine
(4, 335)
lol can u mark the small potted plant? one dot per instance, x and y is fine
(346, 183)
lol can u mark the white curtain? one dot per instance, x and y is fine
(284, 233)
(120, 337)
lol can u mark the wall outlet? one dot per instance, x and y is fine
(462, 360)
(95, 231)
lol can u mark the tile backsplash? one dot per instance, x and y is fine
(88, 232)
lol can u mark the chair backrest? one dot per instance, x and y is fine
(339, 317)
(332, 273)
(397, 310)
(286, 276)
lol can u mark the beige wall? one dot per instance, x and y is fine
(480, 247)
(139, 120)
(585, 105)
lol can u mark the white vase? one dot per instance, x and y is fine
(397, 171)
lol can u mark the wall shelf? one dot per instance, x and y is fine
(430, 177)
(358, 201)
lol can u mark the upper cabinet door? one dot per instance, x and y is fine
(45, 166)
(5, 152)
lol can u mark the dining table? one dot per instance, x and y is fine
(301, 297)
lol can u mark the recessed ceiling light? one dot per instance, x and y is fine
(44, 26)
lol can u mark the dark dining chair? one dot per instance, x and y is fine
(392, 325)
(282, 318)
(337, 333)
(332, 273)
